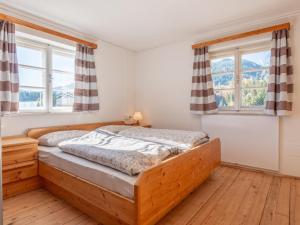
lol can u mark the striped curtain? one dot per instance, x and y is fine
(86, 91)
(9, 76)
(203, 100)
(280, 86)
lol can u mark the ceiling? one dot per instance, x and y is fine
(144, 24)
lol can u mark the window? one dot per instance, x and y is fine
(46, 76)
(240, 78)
(223, 74)
(62, 80)
(32, 76)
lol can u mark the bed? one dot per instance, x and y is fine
(112, 197)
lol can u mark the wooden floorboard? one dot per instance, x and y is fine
(229, 197)
(251, 208)
(295, 203)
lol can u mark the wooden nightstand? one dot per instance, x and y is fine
(19, 165)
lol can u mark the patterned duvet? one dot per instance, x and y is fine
(126, 154)
(180, 138)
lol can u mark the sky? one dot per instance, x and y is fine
(261, 58)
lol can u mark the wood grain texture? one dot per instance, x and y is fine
(221, 179)
(295, 202)
(19, 171)
(242, 35)
(251, 208)
(20, 165)
(81, 204)
(19, 153)
(37, 132)
(46, 30)
(161, 188)
(19, 187)
(259, 195)
(277, 208)
(9, 141)
(115, 205)
(39, 207)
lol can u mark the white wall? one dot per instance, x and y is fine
(115, 70)
(246, 140)
(290, 126)
(163, 82)
(163, 79)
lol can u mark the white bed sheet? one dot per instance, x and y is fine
(103, 176)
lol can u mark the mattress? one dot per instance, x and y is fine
(95, 173)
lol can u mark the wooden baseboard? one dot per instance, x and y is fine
(256, 169)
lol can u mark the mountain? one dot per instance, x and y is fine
(223, 65)
(228, 65)
(226, 80)
(250, 65)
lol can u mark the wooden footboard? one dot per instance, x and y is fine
(103, 205)
(161, 188)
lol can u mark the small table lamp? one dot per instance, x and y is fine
(137, 116)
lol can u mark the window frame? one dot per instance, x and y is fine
(39, 46)
(237, 52)
(52, 70)
(48, 48)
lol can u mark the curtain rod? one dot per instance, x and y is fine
(46, 30)
(242, 35)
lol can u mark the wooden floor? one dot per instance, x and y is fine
(230, 196)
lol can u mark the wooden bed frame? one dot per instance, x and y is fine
(156, 192)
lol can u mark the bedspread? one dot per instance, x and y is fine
(126, 154)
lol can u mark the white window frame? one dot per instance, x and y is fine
(237, 52)
(40, 46)
(21, 41)
(51, 70)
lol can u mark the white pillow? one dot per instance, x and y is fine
(54, 138)
(114, 128)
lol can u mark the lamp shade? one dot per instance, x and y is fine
(137, 116)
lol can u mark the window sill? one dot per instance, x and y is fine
(243, 112)
(20, 114)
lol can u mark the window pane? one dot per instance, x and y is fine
(222, 65)
(223, 81)
(63, 62)
(256, 60)
(253, 97)
(32, 99)
(31, 77)
(63, 80)
(62, 98)
(225, 98)
(63, 89)
(31, 56)
(255, 79)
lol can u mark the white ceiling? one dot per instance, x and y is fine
(143, 24)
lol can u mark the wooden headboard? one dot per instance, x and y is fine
(37, 132)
